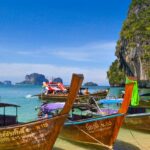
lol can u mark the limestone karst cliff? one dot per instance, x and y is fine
(34, 78)
(38, 79)
(133, 47)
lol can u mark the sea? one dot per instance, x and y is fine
(24, 96)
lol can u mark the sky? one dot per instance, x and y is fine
(58, 38)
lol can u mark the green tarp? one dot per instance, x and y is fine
(135, 93)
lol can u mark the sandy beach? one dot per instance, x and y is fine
(127, 140)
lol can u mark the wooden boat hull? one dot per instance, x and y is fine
(35, 135)
(63, 97)
(53, 98)
(98, 131)
(145, 103)
(138, 121)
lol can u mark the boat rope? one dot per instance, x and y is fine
(98, 108)
(102, 144)
(130, 131)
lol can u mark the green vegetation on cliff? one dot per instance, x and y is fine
(138, 21)
(115, 75)
(134, 42)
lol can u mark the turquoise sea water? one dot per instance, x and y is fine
(22, 96)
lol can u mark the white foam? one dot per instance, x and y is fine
(29, 96)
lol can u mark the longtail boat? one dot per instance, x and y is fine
(63, 97)
(145, 103)
(93, 126)
(138, 118)
(36, 135)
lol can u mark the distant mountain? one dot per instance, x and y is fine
(58, 80)
(6, 83)
(1, 83)
(35, 79)
(90, 84)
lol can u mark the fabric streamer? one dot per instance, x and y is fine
(135, 94)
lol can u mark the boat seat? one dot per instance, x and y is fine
(83, 107)
(136, 110)
(7, 120)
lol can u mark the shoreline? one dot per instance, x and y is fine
(127, 140)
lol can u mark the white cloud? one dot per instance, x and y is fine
(98, 53)
(89, 52)
(16, 72)
(76, 56)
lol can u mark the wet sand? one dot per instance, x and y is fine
(127, 140)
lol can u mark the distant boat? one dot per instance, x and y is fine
(88, 124)
(60, 97)
(36, 135)
(57, 92)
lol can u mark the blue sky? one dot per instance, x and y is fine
(57, 38)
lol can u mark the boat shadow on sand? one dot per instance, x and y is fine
(57, 148)
(119, 145)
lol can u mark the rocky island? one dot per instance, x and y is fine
(90, 84)
(34, 79)
(38, 79)
(6, 83)
(58, 80)
(133, 47)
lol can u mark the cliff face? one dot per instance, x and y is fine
(90, 84)
(58, 80)
(133, 47)
(35, 79)
(5, 83)
(116, 75)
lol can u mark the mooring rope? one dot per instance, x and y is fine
(134, 137)
(104, 145)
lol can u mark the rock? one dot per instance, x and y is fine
(7, 83)
(90, 84)
(35, 79)
(57, 80)
(133, 47)
(1, 83)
